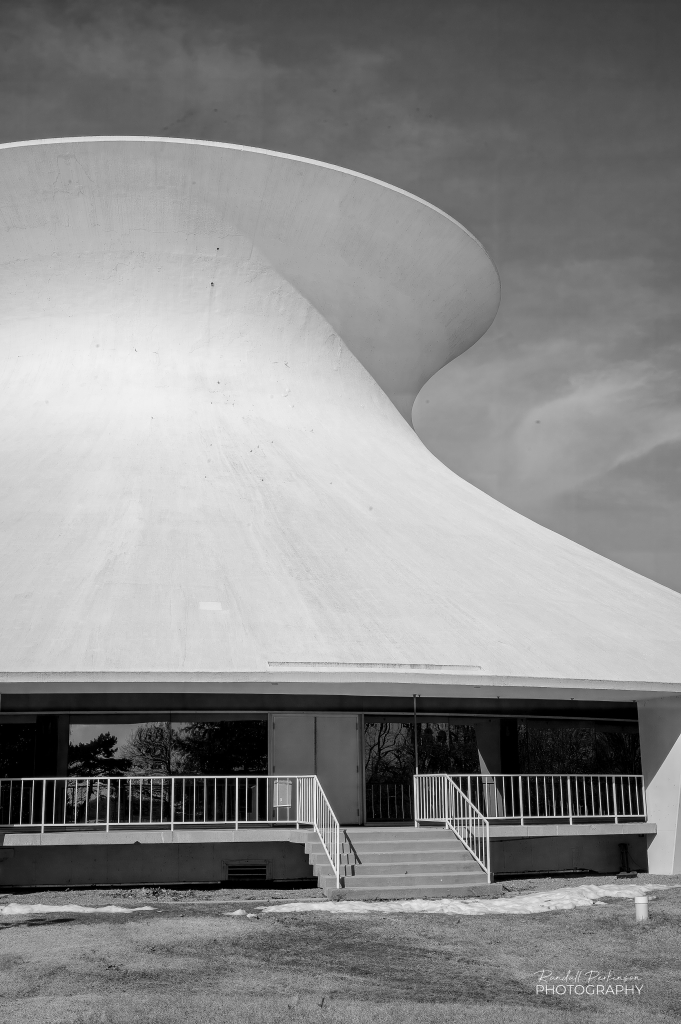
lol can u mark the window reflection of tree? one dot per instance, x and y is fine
(225, 748)
(443, 747)
(182, 748)
(548, 747)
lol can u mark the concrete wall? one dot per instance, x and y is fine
(145, 863)
(566, 853)
(660, 732)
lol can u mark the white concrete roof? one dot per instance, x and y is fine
(204, 487)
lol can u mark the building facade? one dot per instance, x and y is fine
(224, 548)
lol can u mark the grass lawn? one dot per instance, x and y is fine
(190, 962)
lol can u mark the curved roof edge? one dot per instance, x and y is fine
(455, 294)
(254, 149)
(349, 683)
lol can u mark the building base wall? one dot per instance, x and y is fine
(549, 855)
(101, 859)
(147, 864)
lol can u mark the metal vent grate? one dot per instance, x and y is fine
(246, 872)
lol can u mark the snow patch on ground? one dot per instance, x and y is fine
(527, 903)
(12, 909)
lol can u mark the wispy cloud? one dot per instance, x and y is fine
(580, 375)
(154, 69)
(603, 420)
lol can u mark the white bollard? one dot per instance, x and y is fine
(641, 904)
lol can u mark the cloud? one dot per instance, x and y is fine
(604, 420)
(169, 69)
(580, 375)
(125, 69)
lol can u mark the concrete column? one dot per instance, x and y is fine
(508, 746)
(62, 744)
(660, 733)
(488, 736)
(46, 745)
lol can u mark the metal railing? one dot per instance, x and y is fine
(439, 798)
(389, 801)
(171, 802)
(550, 797)
(315, 809)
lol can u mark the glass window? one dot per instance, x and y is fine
(582, 748)
(17, 750)
(205, 747)
(389, 760)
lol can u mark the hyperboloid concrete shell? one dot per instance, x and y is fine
(206, 481)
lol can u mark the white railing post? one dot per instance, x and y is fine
(417, 799)
(488, 853)
(42, 812)
(108, 802)
(172, 803)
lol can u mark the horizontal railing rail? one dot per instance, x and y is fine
(557, 796)
(438, 798)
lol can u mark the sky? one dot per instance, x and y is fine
(549, 128)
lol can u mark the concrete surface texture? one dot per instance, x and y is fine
(206, 479)
(136, 862)
(660, 733)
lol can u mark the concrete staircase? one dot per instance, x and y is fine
(398, 863)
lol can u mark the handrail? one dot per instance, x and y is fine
(314, 806)
(439, 798)
(599, 796)
(170, 801)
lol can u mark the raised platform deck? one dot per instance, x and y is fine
(278, 834)
(199, 856)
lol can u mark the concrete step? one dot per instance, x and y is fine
(406, 850)
(325, 877)
(419, 892)
(402, 874)
(402, 863)
(453, 855)
(453, 858)
(387, 830)
(413, 879)
(411, 867)
(396, 835)
(399, 837)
